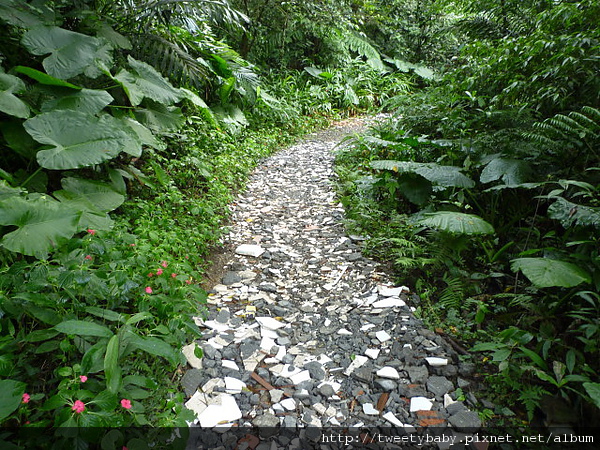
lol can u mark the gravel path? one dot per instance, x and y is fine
(307, 344)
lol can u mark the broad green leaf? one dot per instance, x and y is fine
(159, 117)
(105, 314)
(138, 317)
(458, 223)
(593, 390)
(511, 171)
(9, 103)
(78, 139)
(111, 367)
(318, 73)
(83, 328)
(91, 215)
(486, 346)
(545, 272)
(444, 176)
(537, 359)
(42, 224)
(106, 401)
(44, 78)
(143, 81)
(93, 359)
(41, 335)
(225, 89)
(101, 195)
(424, 72)
(11, 395)
(71, 53)
(143, 134)
(22, 14)
(89, 101)
(154, 346)
(193, 97)
(7, 191)
(572, 214)
(117, 40)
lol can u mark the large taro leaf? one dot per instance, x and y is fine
(89, 101)
(545, 272)
(442, 176)
(456, 223)
(511, 171)
(9, 103)
(42, 224)
(142, 133)
(570, 214)
(71, 53)
(44, 78)
(101, 195)
(143, 81)
(91, 216)
(21, 14)
(17, 138)
(160, 118)
(78, 139)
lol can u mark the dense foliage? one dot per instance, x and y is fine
(127, 125)
(483, 192)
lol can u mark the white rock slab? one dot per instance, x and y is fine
(358, 361)
(367, 327)
(344, 332)
(391, 418)
(280, 353)
(300, 377)
(289, 404)
(267, 344)
(198, 403)
(448, 400)
(224, 409)
(270, 323)
(327, 322)
(434, 361)
(211, 384)
(192, 359)
(324, 359)
(389, 302)
(217, 326)
(370, 410)
(386, 291)
(214, 343)
(372, 353)
(253, 360)
(382, 336)
(287, 371)
(230, 364)
(250, 250)
(265, 332)
(420, 404)
(233, 385)
(388, 372)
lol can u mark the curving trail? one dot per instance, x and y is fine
(332, 349)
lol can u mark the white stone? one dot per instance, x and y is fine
(420, 404)
(230, 364)
(289, 404)
(211, 384)
(370, 410)
(359, 360)
(386, 291)
(223, 410)
(197, 403)
(367, 327)
(265, 332)
(390, 302)
(382, 336)
(324, 359)
(372, 353)
(278, 407)
(320, 408)
(280, 353)
(217, 326)
(391, 418)
(327, 322)
(434, 361)
(300, 377)
(407, 346)
(388, 372)
(253, 361)
(448, 400)
(233, 385)
(250, 250)
(270, 323)
(288, 372)
(344, 332)
(267, 344)
(192, 359)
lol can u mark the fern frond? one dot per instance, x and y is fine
(453, 295)
(172, 60)
(359, 44)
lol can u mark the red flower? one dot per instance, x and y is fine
(92, 232)
(148, 290)
(164, 264)
(126, 403)
(88, 257)
(26, 398)
(78, 406)
(159, 272)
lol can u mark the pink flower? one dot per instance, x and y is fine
(83, 378)
(159, 272)
(88, 257)
(92, 232)
(126, 403)
(164, 264)
(188, 281)
(78, 406)
(150, 274)
(173, 275)
(148, 290)
(132, 245)
(26, 398)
